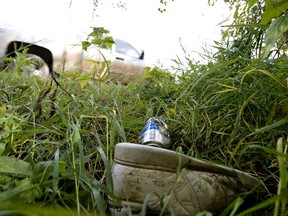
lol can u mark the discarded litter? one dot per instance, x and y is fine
(145, 177)
(155, 133)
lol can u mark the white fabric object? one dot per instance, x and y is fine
(161, 180)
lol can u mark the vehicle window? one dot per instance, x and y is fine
(126, 49)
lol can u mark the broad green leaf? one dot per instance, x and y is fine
(100, 30)
(109, 41)
(45, 169)
(14, 166)
(273, 10)
(24, 191)
(84, 79)
(85, 45)
(252, 2)
(274, 32)
(97, 41)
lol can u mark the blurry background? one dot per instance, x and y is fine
(194, 23)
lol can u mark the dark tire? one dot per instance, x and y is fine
(43, 53)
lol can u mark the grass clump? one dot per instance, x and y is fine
(56, 147)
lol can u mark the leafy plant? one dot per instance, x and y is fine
(57, 147)
(98, 37)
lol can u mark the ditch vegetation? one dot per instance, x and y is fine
(56, 146)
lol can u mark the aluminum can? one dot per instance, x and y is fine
(155, 133)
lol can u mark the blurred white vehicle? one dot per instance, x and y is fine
(125, 60)
(58, 55)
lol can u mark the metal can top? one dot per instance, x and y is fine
(155, 133)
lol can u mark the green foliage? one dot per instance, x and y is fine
(99, 38)
(261, 27)
(273, 10)
(63, 143)
(164, 4)
(56, 147)
(275, 31)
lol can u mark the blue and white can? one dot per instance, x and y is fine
(155, 133)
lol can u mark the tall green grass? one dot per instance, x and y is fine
(56, 147)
